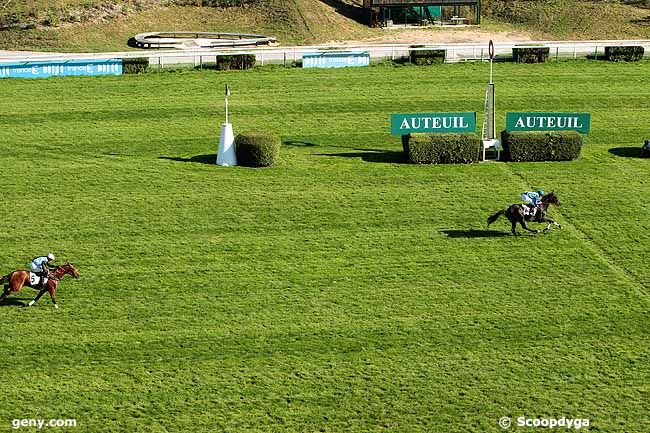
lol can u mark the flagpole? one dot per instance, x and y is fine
(493, 107)
(227, 94)
(226, 155)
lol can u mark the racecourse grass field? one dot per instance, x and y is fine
(340, 291)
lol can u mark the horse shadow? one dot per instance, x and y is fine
(626, 152)
(472, 233)
(13, 302)
(372, 155)
(298, 143)
(200, 159)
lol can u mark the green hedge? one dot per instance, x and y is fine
(135, 65)
(441, 148)
(624, 54)
(257, 149)
(235, 62)
(427, 57)
(541, 146)
(530, 54)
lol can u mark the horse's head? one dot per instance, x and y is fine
(69, 269)
(551, 198)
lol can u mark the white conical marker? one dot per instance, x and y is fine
(226, 153)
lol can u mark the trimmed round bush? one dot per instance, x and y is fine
(135, 65)
(530, 54)
(427, 57)
(624, 53)
(541, 146)
(441, 148)
(257, 148)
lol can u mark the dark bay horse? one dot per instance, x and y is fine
(16, 280)
(517, 214)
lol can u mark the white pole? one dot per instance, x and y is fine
(227, 95)
(491, 75)
(491, 53)
(494, 121)
(489, 120)
(226, 154)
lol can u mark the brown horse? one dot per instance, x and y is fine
(16, 280)
(516, 214)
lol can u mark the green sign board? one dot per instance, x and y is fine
(548, 122)
(403, 124)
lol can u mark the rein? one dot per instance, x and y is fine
(59, 270)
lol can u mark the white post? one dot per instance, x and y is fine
(489, 123)
(226, 154)
(491, 53)
(493, 108)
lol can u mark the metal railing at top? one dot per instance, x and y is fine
(288, 55)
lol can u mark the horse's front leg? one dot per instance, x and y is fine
(550, 224)
(523, 224)
(52, 291)
(33, 301)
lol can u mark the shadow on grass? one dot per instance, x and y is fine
(297, 143)
(372, 155)
(356, 13)
(13, 302)
(132, 43)
(201, 159)
(626, 152)
(642, 21)
(475, 233)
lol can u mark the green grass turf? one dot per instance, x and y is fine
(340, 291)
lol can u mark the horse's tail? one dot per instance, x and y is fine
(495, 217)
(5, 278)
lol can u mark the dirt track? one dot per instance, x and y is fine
(440, 35)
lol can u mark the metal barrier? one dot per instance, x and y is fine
(289, 55)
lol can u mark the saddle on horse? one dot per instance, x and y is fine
(530, 210)
(38, 279)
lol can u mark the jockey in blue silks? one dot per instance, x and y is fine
(39, 266)
(532, 199)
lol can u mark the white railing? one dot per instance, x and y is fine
(287, 55)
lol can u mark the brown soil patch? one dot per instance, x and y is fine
(440, 36)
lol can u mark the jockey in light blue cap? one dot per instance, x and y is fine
(39, 266)
(532, 199)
